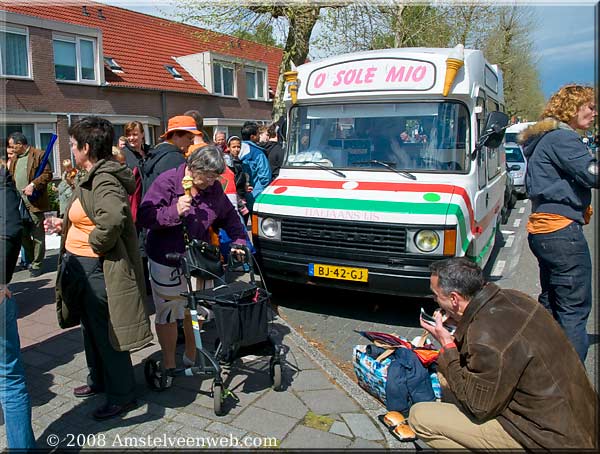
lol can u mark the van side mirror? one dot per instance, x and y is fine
(493, 133)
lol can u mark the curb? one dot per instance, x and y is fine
(369, 405)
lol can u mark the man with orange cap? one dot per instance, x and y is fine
(170, 153)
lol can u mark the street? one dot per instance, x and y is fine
(330, 318)
(318, 330)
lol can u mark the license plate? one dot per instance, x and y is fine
(345, 273)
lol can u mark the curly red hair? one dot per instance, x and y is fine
(564, 104)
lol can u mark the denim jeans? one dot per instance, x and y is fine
(566, 280)
(13, 391)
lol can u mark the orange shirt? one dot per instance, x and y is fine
(548, 222)
(78, 236)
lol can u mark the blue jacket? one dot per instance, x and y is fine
(408, 381)
(256, 164)
(560, 170)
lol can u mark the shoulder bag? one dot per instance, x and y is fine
(203, 259)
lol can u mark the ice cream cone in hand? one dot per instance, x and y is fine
(187, 182)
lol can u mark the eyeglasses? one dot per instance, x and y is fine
(206, 176)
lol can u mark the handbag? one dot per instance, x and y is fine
(203, 259)
(24, 212)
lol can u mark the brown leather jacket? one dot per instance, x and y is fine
(514, 363)
(34, 158)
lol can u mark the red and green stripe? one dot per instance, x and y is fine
(381, 206)
(386, 186)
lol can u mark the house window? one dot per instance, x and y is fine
(223, 79)
(74, 59)
(255, 83)
(14, 42)
(174, 72)
(112, 64)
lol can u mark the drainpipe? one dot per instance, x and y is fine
(163, 107)
(71, 153)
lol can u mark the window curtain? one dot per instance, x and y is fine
(13, 48)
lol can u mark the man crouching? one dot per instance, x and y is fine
(515, 378)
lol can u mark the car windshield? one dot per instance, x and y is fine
(513, 153)
(413, 137)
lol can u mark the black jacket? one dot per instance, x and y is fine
(133, 158)
(11, 226)
(560, 170)
(275, 154)
(163, 157)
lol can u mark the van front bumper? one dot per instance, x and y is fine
(409, 278)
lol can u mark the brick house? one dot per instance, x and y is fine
(61, 62)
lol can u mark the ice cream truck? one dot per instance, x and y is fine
(394, 160)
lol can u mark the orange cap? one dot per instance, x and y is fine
(181, 123)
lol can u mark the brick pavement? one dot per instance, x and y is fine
(313, 387)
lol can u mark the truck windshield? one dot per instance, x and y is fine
(416, 137)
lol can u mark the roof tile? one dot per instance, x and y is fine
(143, 44)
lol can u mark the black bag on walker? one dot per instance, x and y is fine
(241, 318)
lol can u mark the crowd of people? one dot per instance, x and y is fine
(124, 208)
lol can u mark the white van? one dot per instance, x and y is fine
(384, 174)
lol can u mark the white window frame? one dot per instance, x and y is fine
(113, 65)
(229, 65)
(48, 128)
(77, 40)
(18, 30)
(174, 72)
(255, 70)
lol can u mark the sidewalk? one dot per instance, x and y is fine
(320, 407)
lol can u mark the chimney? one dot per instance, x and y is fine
(100, 14)
(84, 11)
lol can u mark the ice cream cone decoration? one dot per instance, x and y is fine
(291, 79)
(187, 184)
(454, 62)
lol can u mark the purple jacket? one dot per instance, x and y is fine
(158, 214)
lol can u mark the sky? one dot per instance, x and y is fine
(564, 37)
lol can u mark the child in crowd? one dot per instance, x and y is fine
(119, 155)
(66, 185)
(241, 178)
(122, 142)
(263, 135)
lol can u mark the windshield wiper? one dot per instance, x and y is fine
(387, 166)
(321, 166)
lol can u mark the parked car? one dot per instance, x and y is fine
(510, 198)
(513, 131)
(517, 166)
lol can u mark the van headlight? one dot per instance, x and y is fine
(270, 228)
(427, 240)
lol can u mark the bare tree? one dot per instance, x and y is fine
(298, 19)
(509, 45)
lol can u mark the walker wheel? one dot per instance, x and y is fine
(276, 376)
(218, 398)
